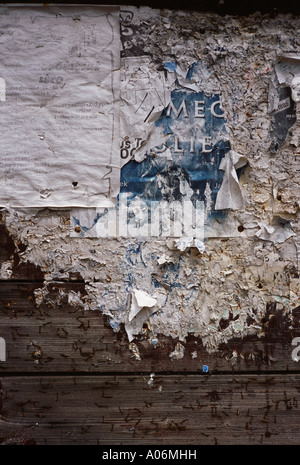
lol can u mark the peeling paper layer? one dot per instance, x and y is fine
(276, 234)
(144, 95)
(288, 72)
(230, 194)
(140, 311)
(140, 299)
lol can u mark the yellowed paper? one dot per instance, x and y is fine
(59, 104)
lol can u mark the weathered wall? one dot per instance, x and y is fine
(249, 263)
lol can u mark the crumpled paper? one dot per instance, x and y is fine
(189, 241)
(230, 194)
(140, 310)
(275, 233)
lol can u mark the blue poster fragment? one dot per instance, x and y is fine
(173, 189)
(186, 166)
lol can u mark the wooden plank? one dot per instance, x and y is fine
(217, 409)
(60, 337)
(65, 338)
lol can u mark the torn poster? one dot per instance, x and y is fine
(173, 140)
(284, 91)
(59, 99)
(182, 158)
(178, 177)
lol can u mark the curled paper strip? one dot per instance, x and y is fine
(230, 194)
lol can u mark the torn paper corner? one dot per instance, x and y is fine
(140, 310)
(276, 233)
(230, 194)
(178, 352)
(139, 300)
(180, 76)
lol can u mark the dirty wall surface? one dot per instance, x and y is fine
(209, 115)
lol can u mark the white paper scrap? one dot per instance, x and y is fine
(185, 242)
(287, 71)
(230, 194)
(275, 233)
(141, 308)
(140, 299)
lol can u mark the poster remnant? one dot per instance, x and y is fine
(59, 105)
(174, 158)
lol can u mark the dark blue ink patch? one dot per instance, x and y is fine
(170, 66)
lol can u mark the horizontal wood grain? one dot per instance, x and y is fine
(59, 337)
(69, 378)
(175, 409)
